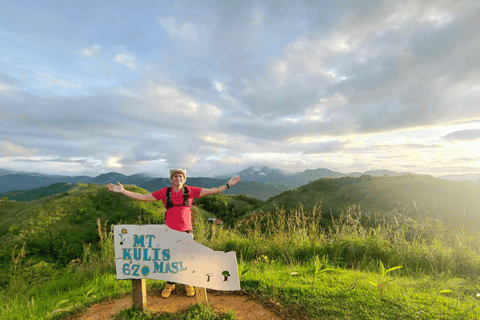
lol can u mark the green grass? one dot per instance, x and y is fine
(195, 312)
(65, 292)
(359, 268)
(348, 294)
(410, 194)
(55, 228)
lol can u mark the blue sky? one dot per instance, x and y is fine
(217, 86)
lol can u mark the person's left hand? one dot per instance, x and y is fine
(233, 181)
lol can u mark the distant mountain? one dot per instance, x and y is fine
(10, 180)
(4, 172)
(462, 177)
(260, 174)
(312, 175)
(263, 181)
(23, 181)
(250, 188)
(34, 194)
(27, 181)
(374, 173)
(19, 182)
(159, 183)
(113, 177)
(266, 175)
(286, 180)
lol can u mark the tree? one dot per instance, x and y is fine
(209, 274)
(225, 274)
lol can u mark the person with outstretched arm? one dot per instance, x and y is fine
(177, 199)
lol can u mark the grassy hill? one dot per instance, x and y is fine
(56, 227)
(228, 208)
(409, 194)
(37, 193)
(304, 271)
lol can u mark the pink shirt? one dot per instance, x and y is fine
(178, 217)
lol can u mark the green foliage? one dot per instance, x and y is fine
(228, 208)
(317, 268)
(414, 196)
(215, 203)
(384, 279)
(34, 194)
(195, 312)
(344, 294)
(43, 275)
(56, 228)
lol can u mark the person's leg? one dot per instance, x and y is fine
(190, 290)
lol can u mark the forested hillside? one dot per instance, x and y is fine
(56, 228)
(409, 194)
(58, 250)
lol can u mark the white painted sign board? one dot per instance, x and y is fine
(158, 252)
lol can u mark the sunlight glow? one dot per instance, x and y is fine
(112, 162)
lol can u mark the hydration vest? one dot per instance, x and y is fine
(185, 203)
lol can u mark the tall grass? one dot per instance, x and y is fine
(297, 240)
(40, 290)
(354, 240)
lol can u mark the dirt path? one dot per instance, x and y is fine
(245, 307)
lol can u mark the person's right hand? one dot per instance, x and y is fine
(115, 188)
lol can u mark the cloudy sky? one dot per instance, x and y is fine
(90, 87)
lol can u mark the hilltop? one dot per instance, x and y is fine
(56, 227)
(260, 182)
(413, 195)
(293, 262)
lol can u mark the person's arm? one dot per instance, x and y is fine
(136, 196)
(230, 183)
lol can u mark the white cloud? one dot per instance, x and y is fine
(186, 31)
(310, 55)
(112, 162)
(8, 149)
(437, 17)
(219, 86)
(316, 112)
(90, 52)
(172, 101)
(4, 89)
(247, 80)
(314, 53)
(127, 59)
(217, 139)
(49, 80)
(258, 17)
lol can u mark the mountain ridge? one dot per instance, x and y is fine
(410, 194)
(263, 175)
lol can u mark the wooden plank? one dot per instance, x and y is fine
(139, 294)
(201, 295)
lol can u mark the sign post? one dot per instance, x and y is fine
(139, 294)
(158, 252)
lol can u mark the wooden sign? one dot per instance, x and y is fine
(158, 252)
